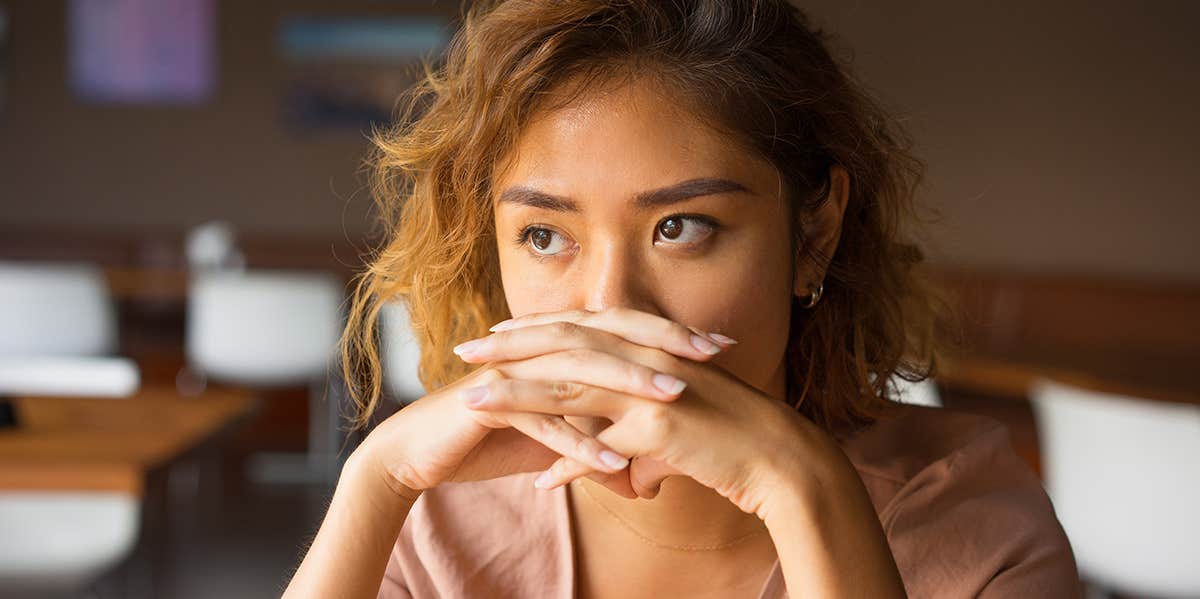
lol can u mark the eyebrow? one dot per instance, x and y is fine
(703, 186)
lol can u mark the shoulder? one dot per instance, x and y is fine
(960, 508)
(903, 445)
(467, 539)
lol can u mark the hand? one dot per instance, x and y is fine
(721, 431)
(437, 438)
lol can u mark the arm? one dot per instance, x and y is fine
(829, 539)
(348, 556)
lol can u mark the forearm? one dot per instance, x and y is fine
(350, 552)
(830, 543)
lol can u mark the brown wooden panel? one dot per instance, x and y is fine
(1125, 333)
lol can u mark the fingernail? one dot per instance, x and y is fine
(468, 347)
(475, 396)
(613, 460)
(668, 383)
(500, 326)
(705, 345)
(543, 480)
(722, 338)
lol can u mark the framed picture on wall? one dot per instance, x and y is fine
(4, 27)
(141, 51)
(347, 73)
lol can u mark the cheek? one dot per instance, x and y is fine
(747, 297)
(527, 290)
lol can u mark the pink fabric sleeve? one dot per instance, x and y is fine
(979, 524)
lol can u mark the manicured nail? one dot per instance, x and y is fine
(613, 460)
(722, 338)
(543, 480)
(704, 345)
(468, 347)
(668, 383)
(500, 326)
(475, 396)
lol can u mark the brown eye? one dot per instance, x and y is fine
(684, 230)
(671, 228)
(541, 239)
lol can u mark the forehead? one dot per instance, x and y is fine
(618, 141)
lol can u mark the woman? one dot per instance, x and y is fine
(654, 253)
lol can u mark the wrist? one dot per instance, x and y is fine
(805, 475)
(366, 472)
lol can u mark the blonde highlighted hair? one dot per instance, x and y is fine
(757, 69)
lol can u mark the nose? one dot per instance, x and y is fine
(616, 277)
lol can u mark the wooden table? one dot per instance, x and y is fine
(1012, 379)
(110, 444)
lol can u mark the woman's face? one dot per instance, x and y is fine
(622, 199)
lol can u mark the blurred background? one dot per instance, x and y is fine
(182, 206)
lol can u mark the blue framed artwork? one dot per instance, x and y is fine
(347, 73)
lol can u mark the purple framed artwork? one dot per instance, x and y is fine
(141, 51)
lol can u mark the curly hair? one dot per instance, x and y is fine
(758, 70)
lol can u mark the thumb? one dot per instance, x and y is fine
(646, 475)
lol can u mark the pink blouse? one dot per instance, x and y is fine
(963, 514)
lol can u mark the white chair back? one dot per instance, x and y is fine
(263, 327)
(55, 310)
(1124, 475)
(401, 353)
(72, 376)
(57, 327)
(56, 542)
(921, 393)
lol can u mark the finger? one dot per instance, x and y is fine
(539, 318)
(565, 398)
(535, 339)
(634, 326)
(617, 482)
(579, 315)
(598, 369)
(646, 472)
(717, 337)
(645, 475)
(558, 434)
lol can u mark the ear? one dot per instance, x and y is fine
(823, 230)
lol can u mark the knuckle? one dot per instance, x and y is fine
(546, 427)
(683, 333)
(661, 360)
(566, 390)
(658, 421)
(669, 328)
(565, 328)
(579, 357)
(501, 388)
(585, 446)
(489, 375)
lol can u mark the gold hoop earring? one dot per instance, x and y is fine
(815, 296)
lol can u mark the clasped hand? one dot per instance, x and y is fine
(672, 411)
